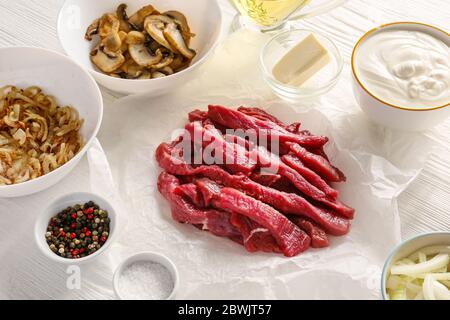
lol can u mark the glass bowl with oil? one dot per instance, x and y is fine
(300, 65)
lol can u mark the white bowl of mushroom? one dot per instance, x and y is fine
(140, 46)
(51, 110)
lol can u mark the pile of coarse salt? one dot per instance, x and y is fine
(145, 280)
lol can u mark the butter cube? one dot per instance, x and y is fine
(301, 62)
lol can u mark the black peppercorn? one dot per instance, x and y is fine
(74, 233)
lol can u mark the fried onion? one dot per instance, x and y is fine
(36, 135)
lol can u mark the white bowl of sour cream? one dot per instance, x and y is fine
(401, 74)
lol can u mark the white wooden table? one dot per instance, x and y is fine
(424, 206)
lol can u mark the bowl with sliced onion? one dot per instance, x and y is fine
(418, 269)
(51, 110)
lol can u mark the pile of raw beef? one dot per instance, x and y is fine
(241, 197)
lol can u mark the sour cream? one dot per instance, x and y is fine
(409, 69)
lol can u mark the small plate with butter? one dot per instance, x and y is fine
(300, 65)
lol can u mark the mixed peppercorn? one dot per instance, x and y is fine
(78, 231)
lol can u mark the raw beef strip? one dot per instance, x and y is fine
(267, 159)
(239, 140)
(319, 151)
(167, 158)
(318, 237)
(268, 180)
(238, 159)
(198, 115)
(310, 175)
(215, 221)
(233, 156)
(255, 237)
(317, 163)
(190, 190)
(274, 181)
(263, 115)
(289, 203)
(294, 128)
(291, 239)
(237, 120)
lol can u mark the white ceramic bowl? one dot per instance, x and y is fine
(62, 203)
(394, 116)
(204, 17)
(407, 248)
(59, 76)
(147, 257)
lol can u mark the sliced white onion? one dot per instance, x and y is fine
(446, 283)
(430, 251)
(414, 288)
(405, 261)
(444, 276)
(425, 274)
(428, 287)
(419, 296)
(441, 292)
(422, 257)
(399, 294)
(439, 261)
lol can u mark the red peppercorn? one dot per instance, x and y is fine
(73, 225)
(90, 216)
(81, 250)
(103, 239)
(63, 234)
(73, 235)
(89, 211)
(84, 230)
(75, 252)
(73, 216)
(88, 233)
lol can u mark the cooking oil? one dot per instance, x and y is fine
(269, 13)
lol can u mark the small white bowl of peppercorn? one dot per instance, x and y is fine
(76, 228)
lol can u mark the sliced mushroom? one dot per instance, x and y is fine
(132, 70)
(92, 30)
(143, 56)
(115, 75)
(175, 38)
(167, 59)
(178, 62)
(137, 19)
(166, 70)
(121, 13)
(108, 24)
(182, 23)
(154, 46)
(158, 74)
(123, 38)
(145, 75)
(112, 42)
(146, 45)
(136, 37)
(108, 63)
(155, 26)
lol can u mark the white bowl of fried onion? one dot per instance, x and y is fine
(50, 111)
